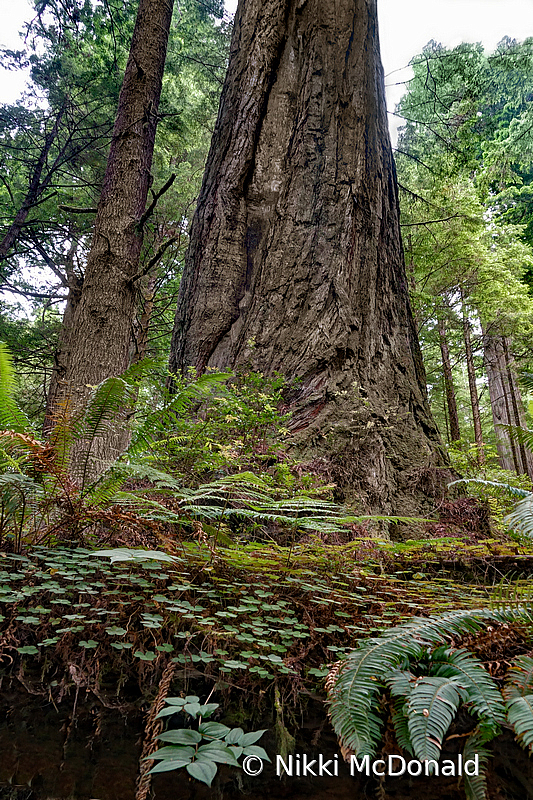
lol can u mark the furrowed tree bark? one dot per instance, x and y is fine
(55, 395)
(506, 403)
(518, 411)
(99, 345)
(451, 402)
(295, 262)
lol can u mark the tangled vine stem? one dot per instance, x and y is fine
(152, 729)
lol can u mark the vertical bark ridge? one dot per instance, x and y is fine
(300, 270)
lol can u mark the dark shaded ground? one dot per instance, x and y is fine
(45, 756)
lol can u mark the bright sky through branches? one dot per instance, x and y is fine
(405, 27)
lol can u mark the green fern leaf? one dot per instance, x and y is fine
(357, 684)
(521, 435)
(179, 404)
(526, 379)
(476, 785)
(105, 408)
(484, 696)
(400, 720)
(520, 715)
(353, 697)
(499, 488)
(519, 679)
(521, 519)
(400, 682)
(431, 708)
(11, 417)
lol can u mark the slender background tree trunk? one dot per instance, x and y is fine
(506, 404)
(99, 344)
(474, 397)
(451, 402)
(295, 261)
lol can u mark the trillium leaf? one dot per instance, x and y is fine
(254, 750)
(171, 752)
(169, 764)
(203, 771)
(182, 736)
(251, 738)
(235, 736)
(214, 730)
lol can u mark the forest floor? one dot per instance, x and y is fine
(256, 626)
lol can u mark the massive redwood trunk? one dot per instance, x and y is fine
(295, 262)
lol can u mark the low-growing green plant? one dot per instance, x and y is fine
(239, 427)
(426, 681)
(42, 497)
(520, 518)
(200, 749)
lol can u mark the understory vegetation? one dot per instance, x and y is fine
(210, 550)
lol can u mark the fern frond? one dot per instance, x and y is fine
(400, 720)
(21, 484)
(179, 403)
(519, 679)
(484, 696)
(521, 519)
(520, 715)
(526, 379)
(521, 435)
(510, 592)
(19, 497)
(11, 416)
(431, 708)
(353, 694)
(500, 488)
(476, 785)
(106, 405)
(29, 452)
(400, 682)
(366, 668)
(105, 402)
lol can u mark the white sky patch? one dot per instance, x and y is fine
(405, 27)
(13, 15)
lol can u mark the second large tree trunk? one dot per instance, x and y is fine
(295, 262)
(99, 341)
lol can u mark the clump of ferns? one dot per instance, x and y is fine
(520, 520)
(427, 682)
(44, 495)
